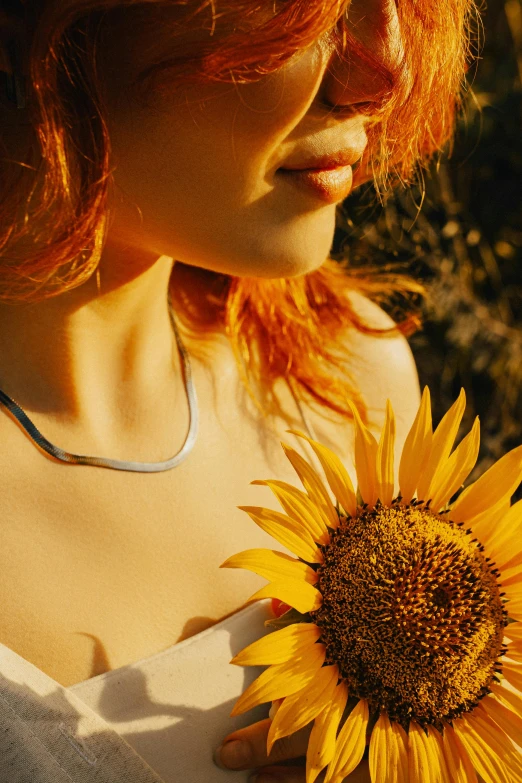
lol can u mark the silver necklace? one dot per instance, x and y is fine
(116, 464)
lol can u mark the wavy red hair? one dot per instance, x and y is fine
(67, 173)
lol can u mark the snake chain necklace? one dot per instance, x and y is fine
(116, 464)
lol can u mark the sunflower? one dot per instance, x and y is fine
(405, 626)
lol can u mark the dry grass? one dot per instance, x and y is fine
(466, 244)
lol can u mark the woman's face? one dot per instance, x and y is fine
(198, 175)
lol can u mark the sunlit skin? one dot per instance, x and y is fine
(195, 181)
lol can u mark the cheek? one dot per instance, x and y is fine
(216, 140)
(268, 111)
(202, 178)
(207, 224)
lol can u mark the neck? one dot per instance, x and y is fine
(102, 365)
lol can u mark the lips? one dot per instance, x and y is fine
(327, 177)
(327, 185)
(335, 160)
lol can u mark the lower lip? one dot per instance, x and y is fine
(328, 185)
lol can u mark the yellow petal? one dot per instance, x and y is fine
(511, 576)
(513, 674)
(420, 755)
(453, 471)
(282, 680)
(514, 648)
(366, 448)
(457, 759)
(515, 651)
(279, 646)
(298, 710)
(483, 757)
(513, 594)
(513, 597)
(388, 755)
(385, 457)
(497, 739)
(299, 507)
(437, 750)
(496, 484)
(350, 745)
(514, 608)
(321, 745)
(441, 444)
(506, 564)
(485, 523)
(506, 536)
(508, 721)
(313, 485)
(416, 449)
(512, 644)
(514, 631)
(300, 595)
(508, 696)
(285, 530)
(382, 751)
(336, 474)
(272, 565)
(402, 745)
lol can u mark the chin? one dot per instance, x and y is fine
(289, 267)
(269, 270)
(296, 254)
(277, 252)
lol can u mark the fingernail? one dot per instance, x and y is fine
(233, 755)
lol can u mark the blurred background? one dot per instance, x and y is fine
(465, 245)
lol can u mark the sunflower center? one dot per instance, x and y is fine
(412, 613)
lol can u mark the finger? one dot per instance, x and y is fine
(280, 775)
(298, 775)
(246, 748)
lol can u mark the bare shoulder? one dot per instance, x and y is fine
(383, 367)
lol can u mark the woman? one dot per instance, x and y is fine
(151, 211)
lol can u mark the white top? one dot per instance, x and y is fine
(154, 721)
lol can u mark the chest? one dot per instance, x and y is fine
(101, 568)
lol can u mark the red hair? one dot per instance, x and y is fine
(68, 171)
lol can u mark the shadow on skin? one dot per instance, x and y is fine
(191, 733)
(23, 759)
(46, 736)
(100, 658)
(180, 750)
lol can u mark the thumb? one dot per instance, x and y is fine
(246, 748)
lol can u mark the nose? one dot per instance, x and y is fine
(367, 64)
